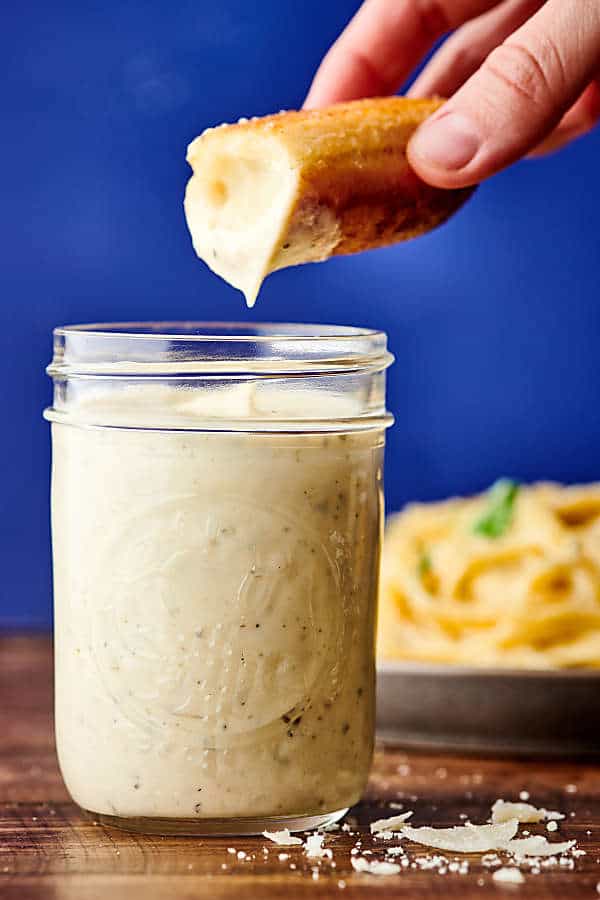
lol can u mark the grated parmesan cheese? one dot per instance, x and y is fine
(508, 876)
(313, 847)
(360, 864)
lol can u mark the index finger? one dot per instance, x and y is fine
(381, 45)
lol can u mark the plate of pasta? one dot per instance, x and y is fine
(489, 621)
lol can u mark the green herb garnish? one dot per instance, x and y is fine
(424, 565)
(500, 509)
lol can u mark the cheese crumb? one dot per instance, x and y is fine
(508, 876)
(394, 823)
(314, 847)
(552, 826)
(360, 864)
(524, 795)
(283, 838)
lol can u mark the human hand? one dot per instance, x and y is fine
(523, 77)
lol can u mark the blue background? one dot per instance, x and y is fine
(494, 319)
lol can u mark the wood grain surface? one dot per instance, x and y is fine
(50, 849)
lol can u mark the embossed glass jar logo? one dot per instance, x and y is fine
(220, 618)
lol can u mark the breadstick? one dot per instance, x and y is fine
(300, 187)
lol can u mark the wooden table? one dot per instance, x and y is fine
(50, 849)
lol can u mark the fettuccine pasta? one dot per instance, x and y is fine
(507, 578)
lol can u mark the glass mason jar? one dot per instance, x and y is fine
(216, 523)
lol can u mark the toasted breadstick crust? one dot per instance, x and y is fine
(351, 158)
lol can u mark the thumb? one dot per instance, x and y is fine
(514, 100)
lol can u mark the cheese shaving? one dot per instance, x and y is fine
(504, 811)
(464, 838)
(283, 838)
(537, 845)
(394, 823)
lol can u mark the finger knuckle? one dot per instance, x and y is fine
(535, 76)
(433, 19)
(465, 57)
(375, 73)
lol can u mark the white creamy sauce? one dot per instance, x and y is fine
(214, 616)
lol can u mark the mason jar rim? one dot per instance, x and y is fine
(222, 330)
(179, 347)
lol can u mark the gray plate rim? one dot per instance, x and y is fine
(449, 669)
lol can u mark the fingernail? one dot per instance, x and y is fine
(448, 142)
